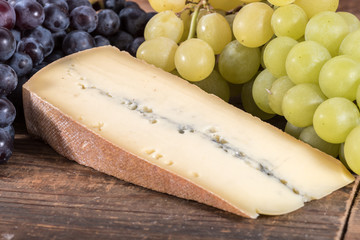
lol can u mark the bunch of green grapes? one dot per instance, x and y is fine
(298, 59)
(312, 76)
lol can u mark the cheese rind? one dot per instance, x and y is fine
(110, 111)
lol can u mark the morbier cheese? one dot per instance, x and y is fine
(112, 112)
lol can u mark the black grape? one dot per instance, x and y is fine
(121, 40)
(84, 18)
(29, 14)
(115, 5)
(7, 112)
(76, 3)
(21, 63)
(56, 19)
(6, 144)
(8, 80)
(33, 48)
(76, 41)
(7, 44)
(133, 21)
(108, 23)
(101, 41)
(44, 37)
(7, 15)
(132, 49)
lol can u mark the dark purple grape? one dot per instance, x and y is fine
(17, 34)
(132, 49)
(121, 40)
(108, 23)
(76, 41)
(29, 14)
(76, 3)
(131, 4)
(7, 15)
(7, 112)
(6, 144)
(8, 79)
(33, 48)
(42, 36)
(55, 55)
(101, 41)
(83, 18)
(60, 3)
(56, 19)
(10, 130)
(7, 44)
(115, 5)
(21, 63)
(133, 21)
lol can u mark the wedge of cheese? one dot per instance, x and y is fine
(119, 115)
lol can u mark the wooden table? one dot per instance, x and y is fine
(45, 196)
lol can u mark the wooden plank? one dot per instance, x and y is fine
(353, 228)
(45, 196)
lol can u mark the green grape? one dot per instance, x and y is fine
(225, 4)
(309, 136)
(230, 19)
(352, 150)
(275, 55)
(335, 118)
(159, 52)
(293, 130)
(215, 84)
(185, 16)
(252, 24)
(358, 96)
(261, 90)
(277, 91)
(214, 29)
(289, 21)
(250, 1)
(262, 50)
(328, 29)
(342, 155)
(280, 3)
(352, 20)
(249, 104)
(305, 60)
(312, 7)
(194, 59)
(340, 77)
(300, 102)
(163, 5)
(237, 63)
(164, 24)
(350, 45)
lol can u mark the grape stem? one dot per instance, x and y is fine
(194, 17)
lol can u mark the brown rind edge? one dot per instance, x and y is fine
(76, 142)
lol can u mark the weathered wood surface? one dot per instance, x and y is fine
(45, 196)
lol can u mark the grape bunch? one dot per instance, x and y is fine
(294, 59)
(34, 33)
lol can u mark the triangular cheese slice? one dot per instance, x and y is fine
(121, 116)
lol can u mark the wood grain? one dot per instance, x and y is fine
(45, 196)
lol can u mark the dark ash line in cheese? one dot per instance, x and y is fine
(210, 134)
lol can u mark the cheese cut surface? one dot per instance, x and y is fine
(119, 115)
